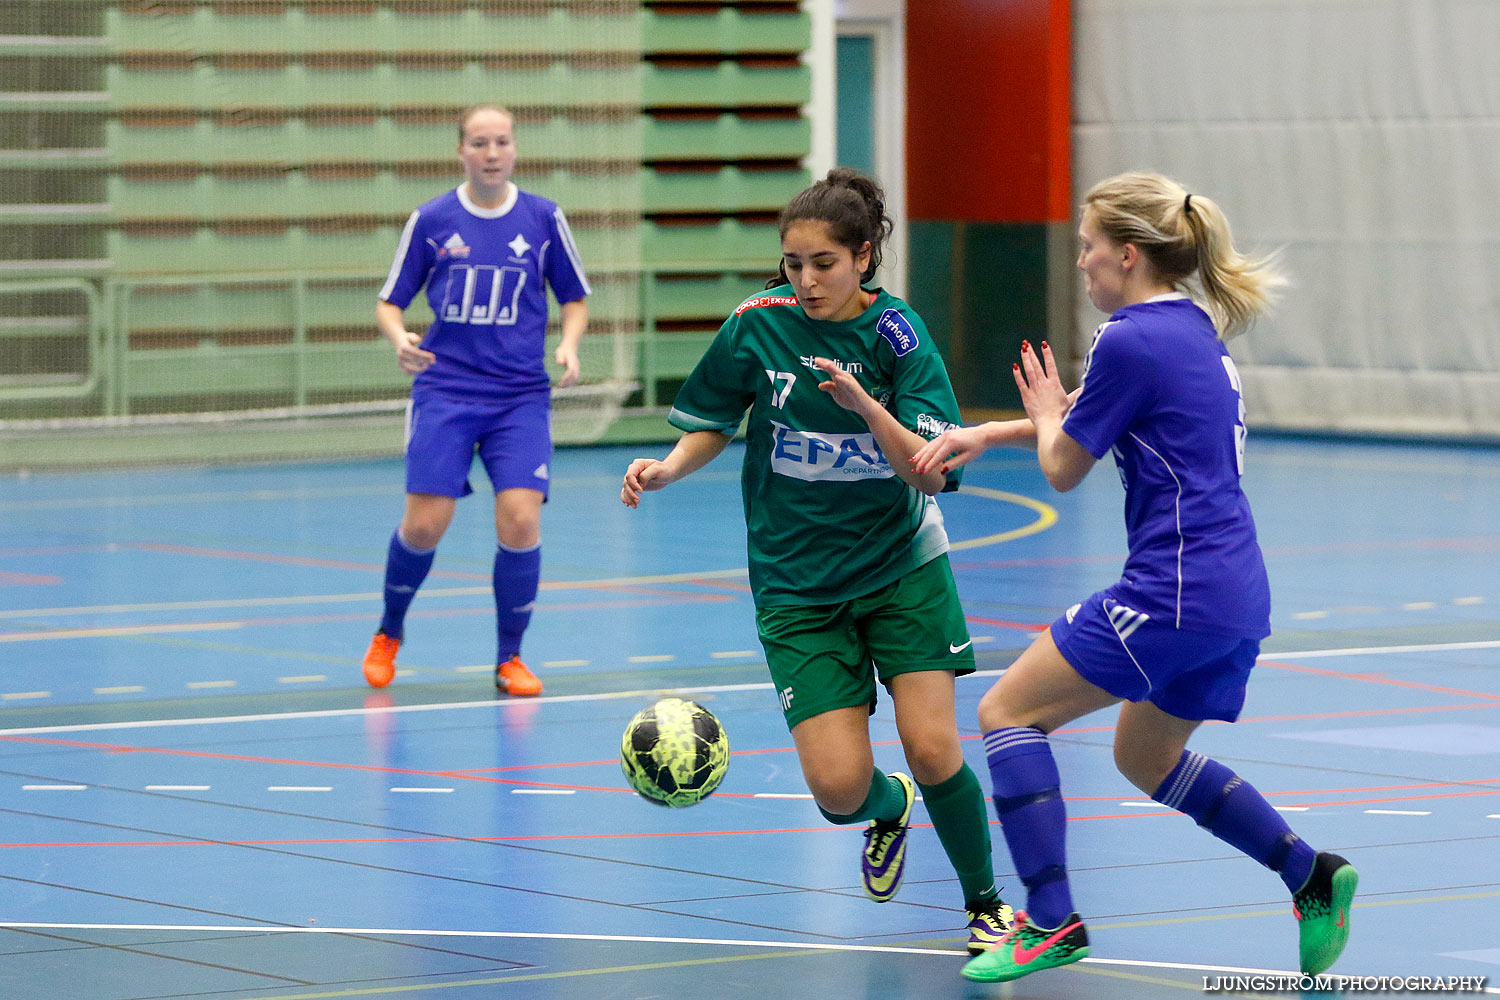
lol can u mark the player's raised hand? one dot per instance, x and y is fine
(1042, 392)
(410, 356)
(568, 358)
(843, 387)
(643, 476)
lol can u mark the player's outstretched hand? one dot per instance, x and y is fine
(568, 358)
(843, 387)
(410, 356)
(643, 476)
(1042, 393)
(950, 449)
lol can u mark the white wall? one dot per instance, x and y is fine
(1363, 138)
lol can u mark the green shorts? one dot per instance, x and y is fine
(828, 656)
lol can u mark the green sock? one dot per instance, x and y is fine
(960, 815)
(885, 801)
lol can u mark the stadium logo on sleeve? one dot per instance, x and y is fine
(766, 300)
(898, 332)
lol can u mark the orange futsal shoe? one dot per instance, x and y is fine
(380, 660)
(512, 677)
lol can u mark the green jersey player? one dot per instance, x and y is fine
(847, 551)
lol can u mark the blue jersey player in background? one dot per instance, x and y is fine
(486, 253)
(1176, 638)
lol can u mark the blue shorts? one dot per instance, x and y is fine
(513, 437)
(1191, 675)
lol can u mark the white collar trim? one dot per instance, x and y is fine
(511, 194)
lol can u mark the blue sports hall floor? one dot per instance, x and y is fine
(202, 799)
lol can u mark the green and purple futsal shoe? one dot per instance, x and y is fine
(884, 860)
(989, 920)
(1322, 910)
(1029, 948)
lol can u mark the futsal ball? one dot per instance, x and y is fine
(674, 753)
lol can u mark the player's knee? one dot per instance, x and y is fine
(518, 534)
(933, 760)
(517, 525)
(423, 533)
(995, 713)
(1144, 767)
(841, 794)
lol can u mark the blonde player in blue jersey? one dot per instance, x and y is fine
(486, 253)
(1176, 638)
(848, 555)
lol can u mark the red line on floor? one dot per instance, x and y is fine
(1375, 679)
(1024, 626)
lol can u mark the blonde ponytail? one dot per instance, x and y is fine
(1187, 236)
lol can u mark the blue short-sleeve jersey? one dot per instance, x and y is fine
(1161, 392)
(485, 271)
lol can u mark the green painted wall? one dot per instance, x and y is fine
(982, 289)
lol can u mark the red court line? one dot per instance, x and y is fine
(519, 838)
(1375, 679)
(8, 579)
(1024, 626)
(662, 599)
(284, 560)
(1329, 791)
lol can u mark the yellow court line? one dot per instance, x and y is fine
(1046, 518)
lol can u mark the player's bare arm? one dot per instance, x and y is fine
(898, 443)
(962, 445)
(1064, 461)
(575, 317)
(692, 452)
(391, 320)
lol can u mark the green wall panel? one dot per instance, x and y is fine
(982, 289)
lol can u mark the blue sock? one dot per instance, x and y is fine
(1231, 809)
(517, 573)
(1033, 817)
(405, 569)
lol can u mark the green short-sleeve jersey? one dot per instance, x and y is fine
(828, 519)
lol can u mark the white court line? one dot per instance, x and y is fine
(651, 693)
(629, 939)
(1397, 812)
(1145, 805)
(54, 788)
(1427, 647)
